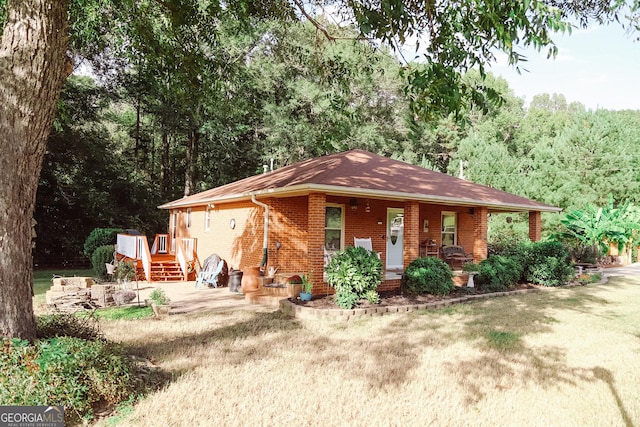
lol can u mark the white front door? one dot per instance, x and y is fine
(395, 239)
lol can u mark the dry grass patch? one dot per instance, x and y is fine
(559, 357)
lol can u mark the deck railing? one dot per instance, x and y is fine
(160, 244)
(137, 248)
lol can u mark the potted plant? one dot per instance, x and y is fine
(160, 302)
(305, 293)
(294, 285)
(471, 269)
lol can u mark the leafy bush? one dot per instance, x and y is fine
(125, 270)
(69, 325)
(372, 296)
(100, 237)
(428, 275)
(547, 264)
(77, 370)
(498, 273)
(101, 256)
(543, 263)
(354, 273)
(67, 371)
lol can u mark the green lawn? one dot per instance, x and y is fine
(559, 357)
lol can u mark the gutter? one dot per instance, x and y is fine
(265, 239)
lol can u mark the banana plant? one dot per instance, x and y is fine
(597, 227)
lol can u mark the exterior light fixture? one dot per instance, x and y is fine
(367, 209)
(354, 204)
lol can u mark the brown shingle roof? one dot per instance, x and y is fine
(362, 174)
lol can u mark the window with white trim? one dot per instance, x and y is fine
(333, 227)
(449, 229)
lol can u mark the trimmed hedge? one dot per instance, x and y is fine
(428, 275)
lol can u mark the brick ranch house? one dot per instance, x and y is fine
(292, 217)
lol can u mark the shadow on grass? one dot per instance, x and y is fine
(385, 353)
(605, 376)
(257, 333)
(497, 328)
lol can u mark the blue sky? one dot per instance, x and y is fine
(598, 67)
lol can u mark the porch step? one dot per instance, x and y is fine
(259, 297)
(166, 271)
(270, 291)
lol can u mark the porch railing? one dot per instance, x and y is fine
(186, 254)
(137, 248)
(160, 244)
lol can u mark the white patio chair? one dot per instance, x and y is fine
(209, 278)
(366, 244)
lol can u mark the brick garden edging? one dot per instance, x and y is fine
(303, 312)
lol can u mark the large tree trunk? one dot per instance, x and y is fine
(33, 67)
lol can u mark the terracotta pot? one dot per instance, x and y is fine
(250, 279)
(161, 311)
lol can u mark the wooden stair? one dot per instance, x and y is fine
(166, 271)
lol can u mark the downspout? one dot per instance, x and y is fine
(265, 240)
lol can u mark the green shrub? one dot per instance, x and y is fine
(498, 273)
(68, 324)
(100, 237)
(428, 275)
(125, 270)
(372, 296)
(353, 273)
(67, 371)
(101, 256)
(547, 264)
(543, 263)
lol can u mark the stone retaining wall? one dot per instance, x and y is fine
(303, 312)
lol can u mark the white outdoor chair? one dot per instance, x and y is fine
(209, 278)
(365, 243)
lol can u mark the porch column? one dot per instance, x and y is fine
(535, 226)
(315, 239)
(480, 227)
(411, 231)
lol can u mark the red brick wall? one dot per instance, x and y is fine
(301, 251)
(411, 231)
(315, 239)
(480, 218)
(535, 226)
(362, 224)
(241, 246)
(289, 224)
